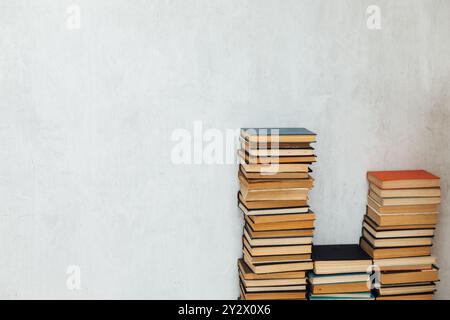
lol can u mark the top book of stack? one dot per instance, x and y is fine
(282, 135)
(406, 179)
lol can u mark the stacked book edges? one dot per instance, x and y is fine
(398, 231)
(275, 181)
(341, 272)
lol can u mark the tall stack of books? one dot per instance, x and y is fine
(398, 232)
(341, 272)
(274, 185)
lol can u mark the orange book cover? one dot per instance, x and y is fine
(402, 175)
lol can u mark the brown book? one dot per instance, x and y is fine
(248, 274)
(275, 145)
(263, 184)
(386, 253)
(402, 219)
(285, 225)
(396, 233)
(247, 158)
(405, 179)
(279, 135)
(404, 201)
(405, 264)
(396, 242)
(276, 250)
(422, 208)
(275, 151)
(404, 227)
(258, 242)
(391, 290)
(273, 168)
(265, 260)
(288, 288)
(276, 264)
(340, 287)
(283, 295)
(409, 276)
(280, 233)
(278, 175)
(408, 297)
(273, 284)
(405, 193)
(274, 194)
(272, 211)
(272, 204)
(283, 217)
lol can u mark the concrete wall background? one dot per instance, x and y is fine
(86, 118)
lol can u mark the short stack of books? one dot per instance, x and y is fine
(274, 185)
(341, 272)
(398, 232)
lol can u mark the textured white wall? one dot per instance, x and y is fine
(86, 118)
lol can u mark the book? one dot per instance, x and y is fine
(265, 260)
(396, 242)
(248, 274)
(404, 201)
(268, 183)
(399, 252)
(407, 297)
(405, 179)
(408, 263)
(286, 295)
(258, 242)
(316, 279)
(343, 296)
(284, 225)
(395, 219)
(274, 175)
(405, 193)
(346, 258)
(407, 289)
(425, 208)
(401, 227)
(276, 250)
(283, 217)
(401, 277)
(279, 267)
(262, 135)
(273, 289)
(275, 144)
(271, 169)
(272, 204)
(280, 233)
(273, 211)
(369, 227)
(274, 194)
(247, 158)
(348, 287)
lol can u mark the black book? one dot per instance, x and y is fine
(340, 252)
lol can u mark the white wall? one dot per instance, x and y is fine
(86, 118)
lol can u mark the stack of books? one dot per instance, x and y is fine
(398, 232)
(274, 185)
(341, 272)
